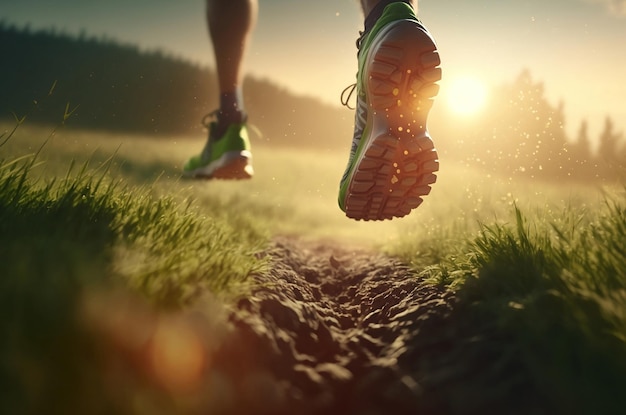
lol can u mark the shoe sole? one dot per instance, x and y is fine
(396, 168)
(231, 166)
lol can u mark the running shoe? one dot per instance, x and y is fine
(393, 159)
(226, 155)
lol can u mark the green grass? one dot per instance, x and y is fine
(293, 192)
(64, 236)
(541, 267)
(551, 291)
(88, 220)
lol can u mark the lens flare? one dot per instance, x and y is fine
(177, 355)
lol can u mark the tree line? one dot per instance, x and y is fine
(116, 87)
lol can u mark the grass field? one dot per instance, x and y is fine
(295, 191)
(544, 264)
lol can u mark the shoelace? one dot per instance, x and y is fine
(206, 120)
(349, 90)
(346, 94)
(359, 39)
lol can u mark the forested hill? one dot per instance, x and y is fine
(121, 88)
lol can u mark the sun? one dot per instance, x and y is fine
(466, 95)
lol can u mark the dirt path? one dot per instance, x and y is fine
(327, 330)
(331, 330)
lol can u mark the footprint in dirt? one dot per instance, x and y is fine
(330, 330)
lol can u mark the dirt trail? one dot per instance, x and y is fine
(327, 330)
(331, 330)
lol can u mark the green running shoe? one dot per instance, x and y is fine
(393, 159)
(226, 156)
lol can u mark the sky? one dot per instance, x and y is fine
(575, 47)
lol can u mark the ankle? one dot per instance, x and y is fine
(375, 12)
(231, 116)
(231, 108)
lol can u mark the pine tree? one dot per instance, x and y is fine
(580, 158)
(582, 146)
(609, 139)
(609, 150)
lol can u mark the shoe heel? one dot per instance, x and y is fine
(237, 168)
(392, 177)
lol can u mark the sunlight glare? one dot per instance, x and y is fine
(466, 95)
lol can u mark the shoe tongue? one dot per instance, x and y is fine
(218, 130)
(219, 127)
